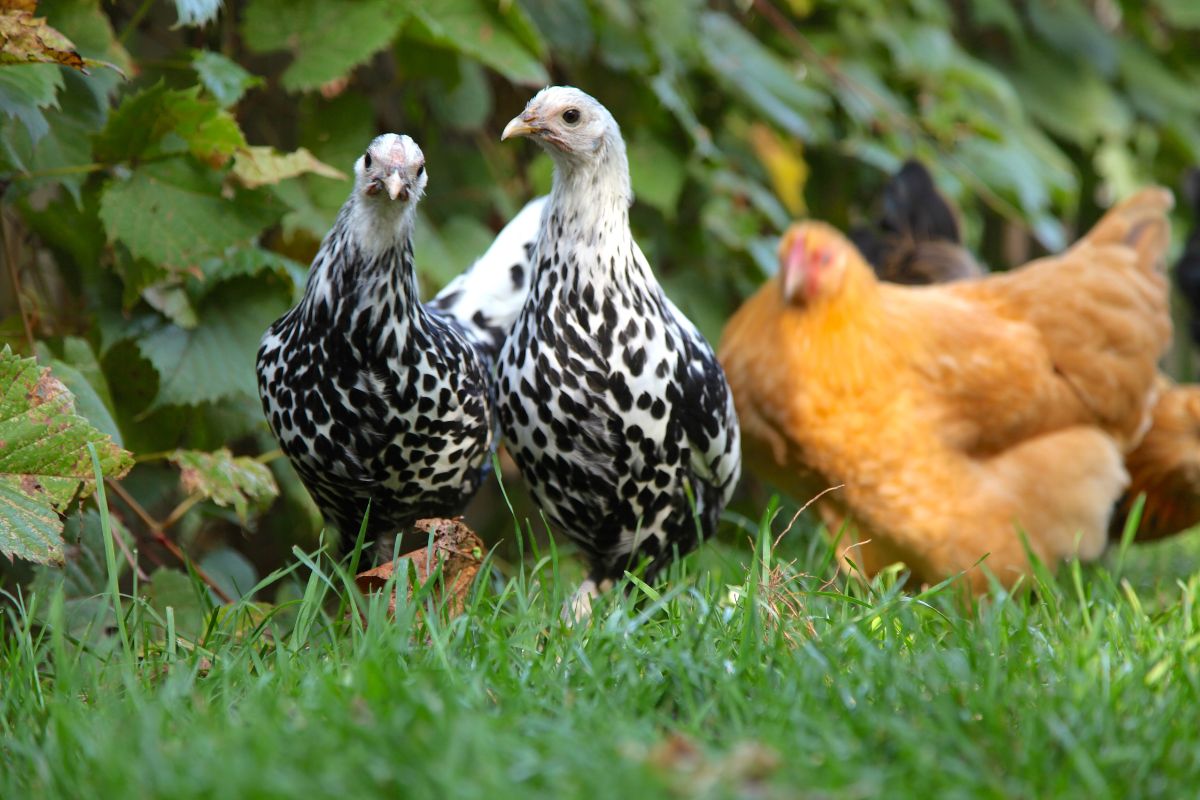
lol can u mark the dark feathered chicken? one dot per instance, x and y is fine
(916, 238)
(374, 397)
(1187, 269)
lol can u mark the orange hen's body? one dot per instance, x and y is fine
(954, 415)
(1165, 467)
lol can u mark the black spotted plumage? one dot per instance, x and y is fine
(611, 402)
(374, 397)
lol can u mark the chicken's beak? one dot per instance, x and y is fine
(520, 126)
(795, 270)
(395, 186)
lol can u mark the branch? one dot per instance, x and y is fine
(156, 530)
(10, 259)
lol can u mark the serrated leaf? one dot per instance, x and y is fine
(240, 483)
(62, 155)
(327, 37)
(215, 359)
(26, 39)
(262, 166)
(249, 262)
(173, 214)
(44, 460)
(158, 121)
(24, 93)
(222, 77)
(88, 402)
(760, 77)
(474, 28)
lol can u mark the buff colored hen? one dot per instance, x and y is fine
(916, 241)
(956, 415)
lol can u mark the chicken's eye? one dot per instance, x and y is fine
(571, 116)
(367, 161)
(420, 170)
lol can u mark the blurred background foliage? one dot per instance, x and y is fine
(160, 211)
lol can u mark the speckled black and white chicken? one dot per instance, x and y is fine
(611, 402)
(374, 397)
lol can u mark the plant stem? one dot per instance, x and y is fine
(10, 259)
(156, 530)
(135, 20)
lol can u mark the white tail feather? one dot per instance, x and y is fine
(486, 298)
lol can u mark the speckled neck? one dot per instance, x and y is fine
(365, 266)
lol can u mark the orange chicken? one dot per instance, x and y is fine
(916, 241)
(956, 416)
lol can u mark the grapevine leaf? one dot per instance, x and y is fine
(26, 39)
(215, 359)
(44, 459)
(173, 213)
(262, 166)
(240, 483)
(224, 78)
(328, 38)
(159, 121)
(474, 28)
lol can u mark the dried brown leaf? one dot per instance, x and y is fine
(455, 548)
(26, 39)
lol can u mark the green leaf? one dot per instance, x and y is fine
(466, 104)
(89, 403)
(566, 24)
(1071, 28)
(223, 78)
(1154, 89)
(763, 80)
(250, 262)
(657, 173)
(44, 460)
(158, 121)
(215, 359)
(174, 214)
(64, 154)
(327, 37)
(240, 483)
(443, 253)
(261, 166)
(170, 588)
(474, 28)
(25, 91)
(1180, 13)
(1068, 98)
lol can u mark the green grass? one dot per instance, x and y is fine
(745, 677)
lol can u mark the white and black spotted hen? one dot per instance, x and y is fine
(373, 396)
(611, 402)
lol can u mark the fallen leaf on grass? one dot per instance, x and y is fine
(455, 548)
(692, 771)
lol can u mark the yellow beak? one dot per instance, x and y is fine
(518, 126)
